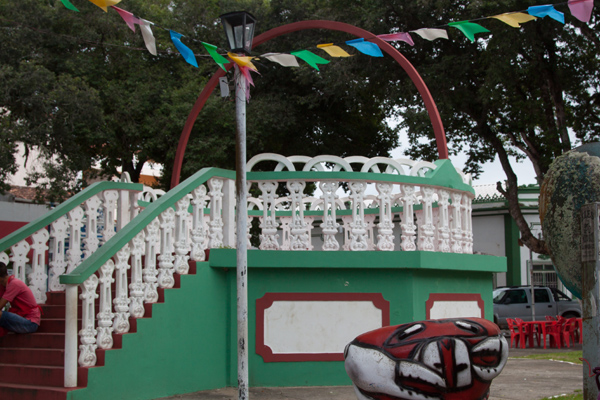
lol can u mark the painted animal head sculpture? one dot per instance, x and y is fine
(449, 359)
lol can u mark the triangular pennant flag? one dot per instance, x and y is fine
(546, 11)
(286, 60)
(104, 4)
(219, 59)
(432, 33)
(333, 51)
(581, 9)
(310, 58)
(368, 48)
(185, 51)
(469, 29)
(515, 19)
(69, 6)
(242, 61)
(393, 37)
(128, 17)
(148, 36)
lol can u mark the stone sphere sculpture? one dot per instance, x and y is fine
(447, 359)
(572, 181)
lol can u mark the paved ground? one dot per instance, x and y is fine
(522, 379)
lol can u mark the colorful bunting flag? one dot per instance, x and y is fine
(546, 11)
(310, 58)
(393, 37)
(185, 51)
(148, 36)
(286, 60)
(469, 29)
(333, 51)
(219, 59)
(581, 9)
(128, 17)
(242, 61)
(69, 6)
(368, 48)
(432, 33)
(104, 4)
(514, 19)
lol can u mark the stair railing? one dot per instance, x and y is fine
(61, 239)
(155, 244)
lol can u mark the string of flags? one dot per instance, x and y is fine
(580, 9)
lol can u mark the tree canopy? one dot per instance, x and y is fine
(82, 87)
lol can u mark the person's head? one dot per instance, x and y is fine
(3, 274)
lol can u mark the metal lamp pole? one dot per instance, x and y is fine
(239, 29)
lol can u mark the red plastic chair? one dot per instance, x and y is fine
(569, 330)
(550, 318)
(530, 333)
(554, 330)
(516, 334)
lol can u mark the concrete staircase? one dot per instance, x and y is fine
(32, 365)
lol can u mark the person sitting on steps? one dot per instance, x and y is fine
(24, 315)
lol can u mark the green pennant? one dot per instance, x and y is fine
(219, 59)
(311, 58)
(468, 28)
(69, 6)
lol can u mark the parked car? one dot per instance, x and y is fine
(515, 302)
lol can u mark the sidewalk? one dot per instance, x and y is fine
(521, 379)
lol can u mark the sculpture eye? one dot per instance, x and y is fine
(468, 326)
(404, 334)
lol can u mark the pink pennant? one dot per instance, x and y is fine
(245, 70)
(128, 17)
(581, 9)
(392, 37)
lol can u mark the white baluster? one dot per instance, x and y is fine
(199, 236)
(427, 229)
(467, 225)
(123, 209)
(105, 314)
(91, 241)
(58, 263)
(408, 227)
(285, 232)
(385, 227)
(456, 230)
(150, 272)
(329, 226)
(216, 206)
(370, 225)
(121, 300)
(75, 224)
(136, 287)
(181, 242)
(38, 279)
(87, 334)
(165, 259)
(299, 230)
(358, 226)
(443, 221)
(4, 258)
(110, 209)
(19, 259)
(268, 237)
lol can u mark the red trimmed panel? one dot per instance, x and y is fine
(434, 297)
(269, 298)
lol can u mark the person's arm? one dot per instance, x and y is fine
(3, 303)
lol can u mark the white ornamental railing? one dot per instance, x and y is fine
(352, 204)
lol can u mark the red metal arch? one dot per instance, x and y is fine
(434, 116)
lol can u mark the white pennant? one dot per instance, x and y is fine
(431, 33)
(287, 60)
(148, 36)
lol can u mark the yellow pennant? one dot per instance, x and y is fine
(242, 61)
(333, 51)
(104, 4)
(514, 19)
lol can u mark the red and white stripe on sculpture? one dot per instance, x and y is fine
(446, 359)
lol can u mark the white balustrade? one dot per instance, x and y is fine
(216, 208)
(268, 222)
(88, 332)
(329, 226)
(166, 258)
(105, 314)
(38, 278)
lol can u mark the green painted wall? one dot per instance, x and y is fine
(405, 279)
(512, 251)
(181, 349)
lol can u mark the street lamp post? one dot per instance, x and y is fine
(239, 29)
